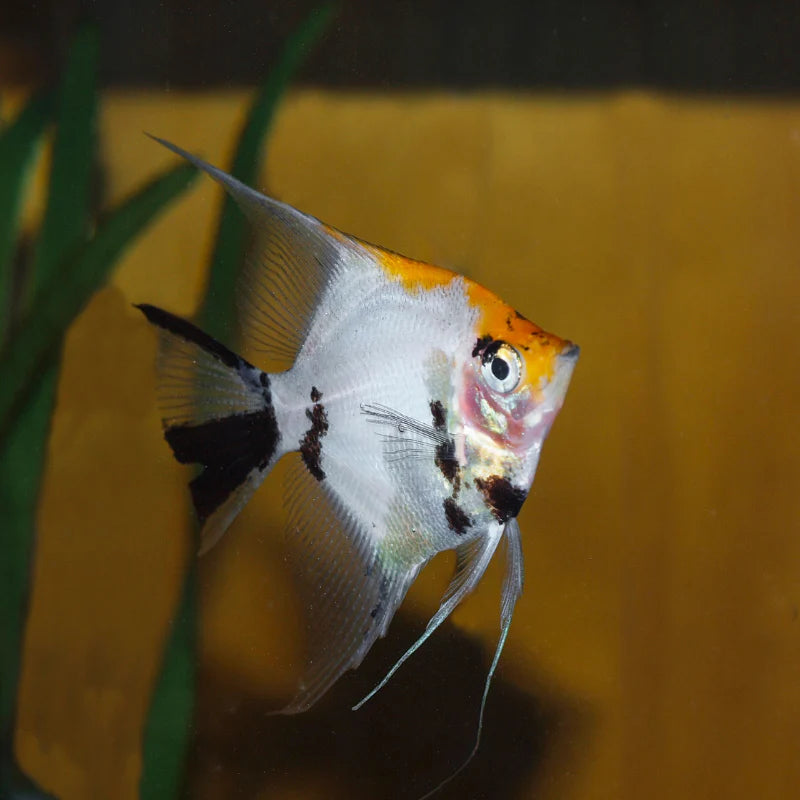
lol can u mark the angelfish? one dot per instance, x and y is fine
(414, 403)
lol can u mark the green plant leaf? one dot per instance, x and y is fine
(18, 144)
(66, 216)
(166, 734)
(62, 297)
(22, 457)
(23, 449)
(67, 270)
(218, 312)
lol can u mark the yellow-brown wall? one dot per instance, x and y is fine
(662, 538)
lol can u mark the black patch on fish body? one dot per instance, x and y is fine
(448, 463)
(311, 444)
(439, 415)
(316, 395)
(503, 498)
(445, 452)
(457, 519)
(229, 449)
(480, 345)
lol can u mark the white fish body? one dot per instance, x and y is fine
(418, 403)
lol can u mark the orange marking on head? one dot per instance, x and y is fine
(498, 320)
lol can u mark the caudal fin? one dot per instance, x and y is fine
(218, 413)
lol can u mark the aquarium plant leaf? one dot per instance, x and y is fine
(62, 297)
(169, 722)
(19, 143)
(218, 312)
(22, 458)
(166, 733)
(66, 215)
(23, 447)
(21, 464)
(22, 450)
(68, 267)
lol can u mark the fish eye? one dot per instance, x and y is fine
(501, 367)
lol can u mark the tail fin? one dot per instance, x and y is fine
(218, 413)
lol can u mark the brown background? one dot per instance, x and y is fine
(656, 651)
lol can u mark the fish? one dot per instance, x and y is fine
(412, 402)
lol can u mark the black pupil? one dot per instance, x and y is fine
(499, 368)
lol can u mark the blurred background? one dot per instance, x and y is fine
(628, 175)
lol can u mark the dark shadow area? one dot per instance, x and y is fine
(401, 744)
(696, 45)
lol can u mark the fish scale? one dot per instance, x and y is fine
(414, 406)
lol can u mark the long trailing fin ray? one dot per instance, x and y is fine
(292, 259)
(512, 589)
(353, 595)
(465, 555)
(467, 580)
(216, 412)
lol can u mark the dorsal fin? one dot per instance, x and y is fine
(290, 262)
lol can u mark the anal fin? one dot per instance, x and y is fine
(350, 595)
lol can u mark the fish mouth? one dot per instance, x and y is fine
(557, 389)
(570, 352)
